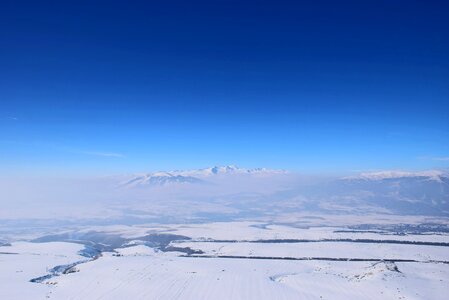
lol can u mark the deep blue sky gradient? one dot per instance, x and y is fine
(322, 86)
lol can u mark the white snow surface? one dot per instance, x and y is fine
(170, 277)
(345, 250)
(23, 261)
(141, 272)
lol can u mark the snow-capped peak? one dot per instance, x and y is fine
(159, 179)
(227, 170)
(193, 176)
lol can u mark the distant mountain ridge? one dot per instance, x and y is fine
(436, 175)
(160, 180)
(226, 170)
(401, 192)
(163, 178)
(424, 192)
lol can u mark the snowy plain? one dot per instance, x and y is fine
(229, 265)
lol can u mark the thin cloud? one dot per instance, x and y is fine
(437, 158)
(446, 158)
(58, 148)
(103, 154)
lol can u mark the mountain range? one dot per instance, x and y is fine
(195, 175)
(424, 193)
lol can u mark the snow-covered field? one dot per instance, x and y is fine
(233, 260)
(23, 261)
(338, 250)
(162, 276)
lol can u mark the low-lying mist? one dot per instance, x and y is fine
(198, 197)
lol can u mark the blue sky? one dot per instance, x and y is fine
(320, 87)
